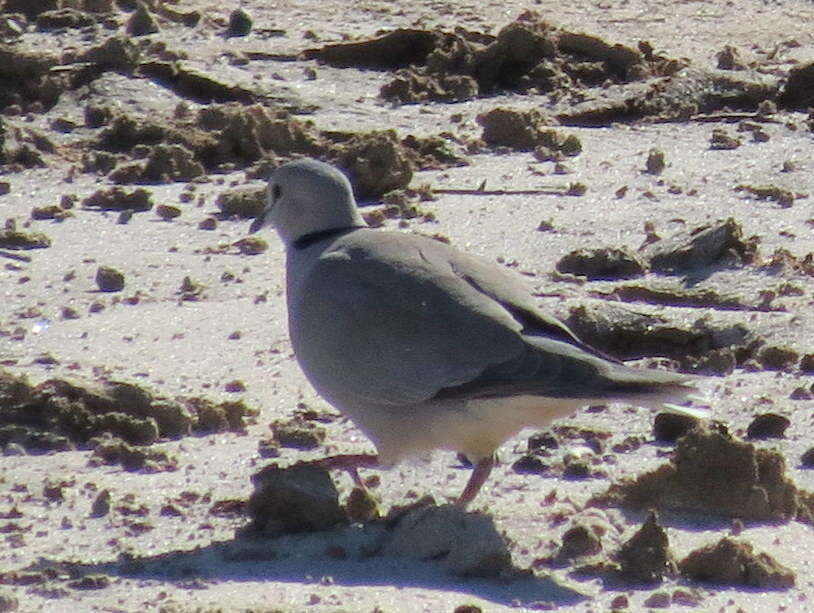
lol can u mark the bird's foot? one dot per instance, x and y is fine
(350, 463)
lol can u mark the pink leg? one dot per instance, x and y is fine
(350, 463)
(476, 480)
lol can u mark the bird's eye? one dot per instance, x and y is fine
(276, 192)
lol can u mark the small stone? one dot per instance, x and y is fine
(620, 602)
(807, 364)
(646, 556)
(777, 358)
(768, 425)
(167, 212)
(251, 245)
(668, 427)
(210, 223)
(722, 139)
(240, 23)
(576, 469)
(362, 506)
(109, 279)
(467, 608)
(658, 600)
(529, 465)
(101, 504)
(142, 22)
(68, 312)
(655, 164)
(807, 459)
(579, 541)
(235, 386)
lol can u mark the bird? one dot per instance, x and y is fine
(423, 346)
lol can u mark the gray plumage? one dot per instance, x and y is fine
(424, 346)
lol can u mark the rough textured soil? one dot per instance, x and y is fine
(645, 165)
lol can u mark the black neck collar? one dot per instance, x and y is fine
(306, 240)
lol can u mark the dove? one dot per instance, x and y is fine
(426, 347)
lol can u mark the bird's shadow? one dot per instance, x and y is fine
(347, 556)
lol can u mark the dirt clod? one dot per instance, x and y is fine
(298, 433)
(362, 506)
(606, 263)
(733, 562)
(669, 427)
(655, 164)
(715, 473)
(245, 202)
(768, 425)
(132, 458)
(118, 199)
(646, 557)
(466, 544)
(718, 244)
(301, 498)
(12, 238)
(108, 279)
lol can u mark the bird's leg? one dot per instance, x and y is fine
(350, 463)
(476, 480)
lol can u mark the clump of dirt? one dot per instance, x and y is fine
(114, 451)
(797, 92)
(362, 506)
(234, 135)
(251, 245)
(529, 53)
(768, 425)
(376, 162)
(718, 244)
(630, 334)
(209, 416)
(245, 201)
(606, 263)
(109, 279)
(119, 199)
(26, 77)
(646, 556)
(524, 131)
(298, 433)
(466, 544)
(783, 197)
(300, 498)
(63, 18)
(715, 473)
(60, 414)
(669, 427)
(14, 239)
(163, 164)
(22, 147)
(732, 562)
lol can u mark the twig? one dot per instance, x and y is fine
(554, 191)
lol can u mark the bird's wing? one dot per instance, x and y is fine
(386, 319)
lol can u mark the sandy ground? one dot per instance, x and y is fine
(234, 329)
